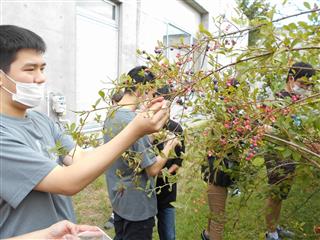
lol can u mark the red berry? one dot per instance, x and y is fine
(294, 98)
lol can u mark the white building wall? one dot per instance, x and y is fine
(176, 12)
(141, 24)
(54, 22)
(128, 38)
(155, 17)
(227, 9)
(96, 54)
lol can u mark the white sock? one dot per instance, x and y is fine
(273, 234)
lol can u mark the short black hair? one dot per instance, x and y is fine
(139, 75)
(164, 91)
(116, 97)
(301, 69)
(13, 39)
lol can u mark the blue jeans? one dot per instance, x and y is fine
(166, 223)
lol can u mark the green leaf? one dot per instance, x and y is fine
(258, 161)
(177, 205)
(96, 103)
(82, 122)
(296, 156)
(292, 26)
(294, 42)
(303, 24)
(148, 185)
(317, 124)
(279, 148)
(203, 30)
(287, 153)
(102, 94)
(307, 5)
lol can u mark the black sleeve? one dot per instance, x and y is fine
(176, 128)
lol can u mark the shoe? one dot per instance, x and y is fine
(110, 223)
(204, 235)
(271, 238)
(284, 232)
(235, 192)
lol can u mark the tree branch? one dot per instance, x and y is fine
(259, 56)
(297, 147)
(263, 24)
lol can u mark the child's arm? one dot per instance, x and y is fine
(88, 165)
(155, 168)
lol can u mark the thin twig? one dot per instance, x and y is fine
(263, 24)
(297, 147)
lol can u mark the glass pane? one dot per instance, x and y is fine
(176, 36)
(100, 7)
(97, 62)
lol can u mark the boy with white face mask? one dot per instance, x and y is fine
(298, 81)
(281, 171)
(34, 186)
(28, 94)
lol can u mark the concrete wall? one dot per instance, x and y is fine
(55, 23)
(152, 16)
(128, 38)
(141, 24)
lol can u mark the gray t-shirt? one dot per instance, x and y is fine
(129, 186)
(25, 159)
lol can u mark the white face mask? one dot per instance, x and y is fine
(301, 91)
(28, 94)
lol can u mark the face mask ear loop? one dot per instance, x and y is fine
(7, 90)
(10, 80)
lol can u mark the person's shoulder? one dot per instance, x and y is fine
(119, 118)
(125, 114)
(41, 119)
(33, 114)
(8, 132)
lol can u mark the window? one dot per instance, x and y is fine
(99, 10)
(97, 51)
(173, 38)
